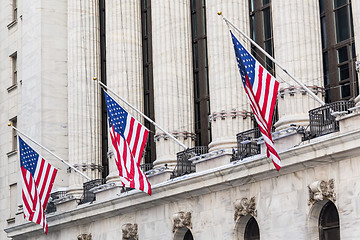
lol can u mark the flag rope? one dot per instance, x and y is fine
(53, 154)
(227, 21)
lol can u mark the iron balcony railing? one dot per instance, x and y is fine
(246, 144)
(146, 167)
(184, 166)
(89, 196)
(51, 205)
(322, 119)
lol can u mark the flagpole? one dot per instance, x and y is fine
(146, 117)
(273, 59)
(38, 144)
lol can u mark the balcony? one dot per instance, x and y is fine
(89, 196)
(54, 197)
(322, 119)
(246, 144)
(184, 166)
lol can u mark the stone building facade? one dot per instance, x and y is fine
(174, 61)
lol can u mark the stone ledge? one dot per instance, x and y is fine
(237, 173)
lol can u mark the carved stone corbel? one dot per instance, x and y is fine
(320, 190)
(182, 219)
(130, 231)
(244, 207)
(84, 236)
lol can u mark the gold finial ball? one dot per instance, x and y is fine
(95, 78)
(219, 13)
(9, 124)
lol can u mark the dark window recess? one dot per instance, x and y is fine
(261, 31)
(13, 122)
(252, 230)
(104, 127)
(200, 74)
(340, 77)
(150, 151)
(188, 235)
(329, 227)
(88, 195)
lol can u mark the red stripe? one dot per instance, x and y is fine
(131, 127)
(273, 102)
(259, 89)
(42, 188)
(267, 90)
(137, 136)
(37, 180)
(50, 187)
(142, 147)
(261, 121)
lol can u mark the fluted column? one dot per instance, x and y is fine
(356, 12)
(124, 58)
(297, 46)
(172, 72)
(229, 104)
(83, 92)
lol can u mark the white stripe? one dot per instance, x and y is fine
(48, 185)
(270, 99)
(127, 126)
(138, 148)
(132, 140)
(262, 90)
(256, 77)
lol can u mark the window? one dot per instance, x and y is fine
(13, 122)
(150, 151)
(14, 68)
(252, 230)
(188, 235)
(14, 9)
(261, 31)
(13, 200)
(329, 228)
(200, 73)
(337, 35)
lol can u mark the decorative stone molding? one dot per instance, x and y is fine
(85, 166)
(181, 220)
(233, 114)
(292, 90)
(184, 135)
(320, 190)
(84, 236)
(130, 231)
(244, 207)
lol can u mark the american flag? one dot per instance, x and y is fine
(261, 89)
(37, 181)
(128, 138)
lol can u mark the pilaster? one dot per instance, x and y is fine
(172, 73)
(297, 45)
(83, 92)
(228, 102)
(124, 59)
(355, 5)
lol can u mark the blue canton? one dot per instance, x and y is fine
(28, 157)
(117, 116)
(246, 62)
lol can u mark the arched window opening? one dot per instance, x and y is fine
(252, 230)
(188, 235)
(329, 228)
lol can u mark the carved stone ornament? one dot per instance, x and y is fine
(84, 237)
(320, 190)
(244, 207)
(181, 219)
(130, 231)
